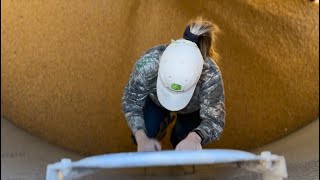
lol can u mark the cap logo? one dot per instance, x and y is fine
(176, 87)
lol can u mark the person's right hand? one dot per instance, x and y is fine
(145, 143)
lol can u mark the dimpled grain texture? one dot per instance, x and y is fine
(64, 65)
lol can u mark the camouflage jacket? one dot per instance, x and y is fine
(208, 95)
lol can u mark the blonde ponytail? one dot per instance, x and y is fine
(206, 32)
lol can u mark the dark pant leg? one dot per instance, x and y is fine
(184, 124)
(155, 119)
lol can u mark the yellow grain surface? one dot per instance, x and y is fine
(64, 65)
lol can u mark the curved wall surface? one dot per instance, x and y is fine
(64, 65)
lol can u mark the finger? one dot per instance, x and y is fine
(157, 146)
(139, 149)
(177, 148)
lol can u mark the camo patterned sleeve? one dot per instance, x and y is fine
(212, 109)
(139, 85)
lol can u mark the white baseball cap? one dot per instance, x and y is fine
(179, 71)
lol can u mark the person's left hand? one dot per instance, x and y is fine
(191, 142)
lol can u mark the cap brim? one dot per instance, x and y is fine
(173, 101)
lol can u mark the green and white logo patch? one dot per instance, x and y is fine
(176, 87)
